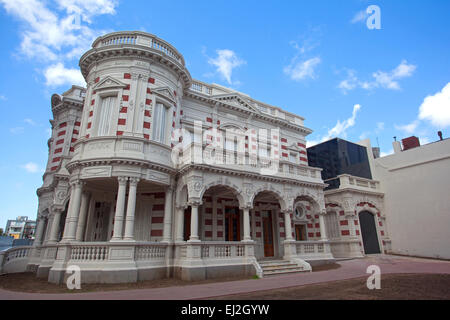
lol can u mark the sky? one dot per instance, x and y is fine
(318, 59)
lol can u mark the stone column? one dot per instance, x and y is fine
(82, 218)
(180, 224)
(39, 232)
(131, 208)
(323, 232)
(120, 207)
(54, 230)
(288, 225)
(246, 212)
(194, 222)
(167, 236)
(72, 215)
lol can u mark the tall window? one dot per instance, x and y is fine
(332, 226)
(159, 123)
(105, 120)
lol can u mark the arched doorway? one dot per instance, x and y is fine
(369, 233)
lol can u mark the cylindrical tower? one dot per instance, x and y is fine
(135, 82)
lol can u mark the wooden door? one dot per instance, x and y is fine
(268, 234)
(187, 224)
(232, 225)
(300, 232)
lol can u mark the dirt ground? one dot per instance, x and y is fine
(27, 282)
(393, 287)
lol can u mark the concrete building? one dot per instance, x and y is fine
(415, 181)
(20, 228)
(152, 174)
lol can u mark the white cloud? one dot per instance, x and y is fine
(408, 128)
(57, 75)
(3, 98)
(381, 79)
(29, 121)
(360, 16)
(31, 167)
(55, 34)
(436, 108)
(384, 154)
(302, 70)
(17, 130)
(340, 129)
(226, 61)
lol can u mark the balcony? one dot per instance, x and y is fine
(243, 161)
(346, 181)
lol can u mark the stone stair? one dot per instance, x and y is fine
(277, 267)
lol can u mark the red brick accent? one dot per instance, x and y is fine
(75, 131)
(77, 124)
(219, 211)
(151, 80)
(382, 233)
(147, 113)
(220, 222)
(208, 234)
(149, 91)
(123, 110)
(345, 232)
(158, 207)
(282, 235)
(147, 136)
(282, 224)
(308, 216)
(89, 125)
(156, 233)
(209, 120)
(127, 76)
(62, 125)
(380, 223)
(97, 79)
(125, 97)
(73, 140)
(357, 232)
(303, 152)
(283, 140)
(356, 222)
(208, 210)
(59, 150)
(159, 195)
(72, 149)
(92, 102)
(147, 125)
(344, 223)
(303, 159)
(317, 225)
(208, 222)
(310, 225)
(61, 133)
(219, 234)
(127, 87)
(119, 133)
(301, 145)
(91, 113)
(258, 224)
(311, 234)
(148, 101)
(284, 147)
(87, 136)
(258, 234)
(60, 141)
(341, 213)
(284, 154)
(54, 168)
(122, 121)
(157, 219)
(218, 122)
(57, 159)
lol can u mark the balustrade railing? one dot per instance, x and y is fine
(222, 250)
(311, 247)
(89, 252)
(146, 252)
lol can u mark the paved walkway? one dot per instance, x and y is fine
(350, 269)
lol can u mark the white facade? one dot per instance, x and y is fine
(127, 198)
(416, 185)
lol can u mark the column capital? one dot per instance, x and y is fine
(77, 183)
(134, 181)
(122, 180)
(288, 211)
(246, 207)
(195, 203)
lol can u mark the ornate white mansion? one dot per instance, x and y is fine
(152, 174)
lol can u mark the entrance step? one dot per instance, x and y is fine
(274, 267)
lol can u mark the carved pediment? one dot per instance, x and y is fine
(165, 93)
(109, 83)
(236, 100)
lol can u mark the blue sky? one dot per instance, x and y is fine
(317, 59)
